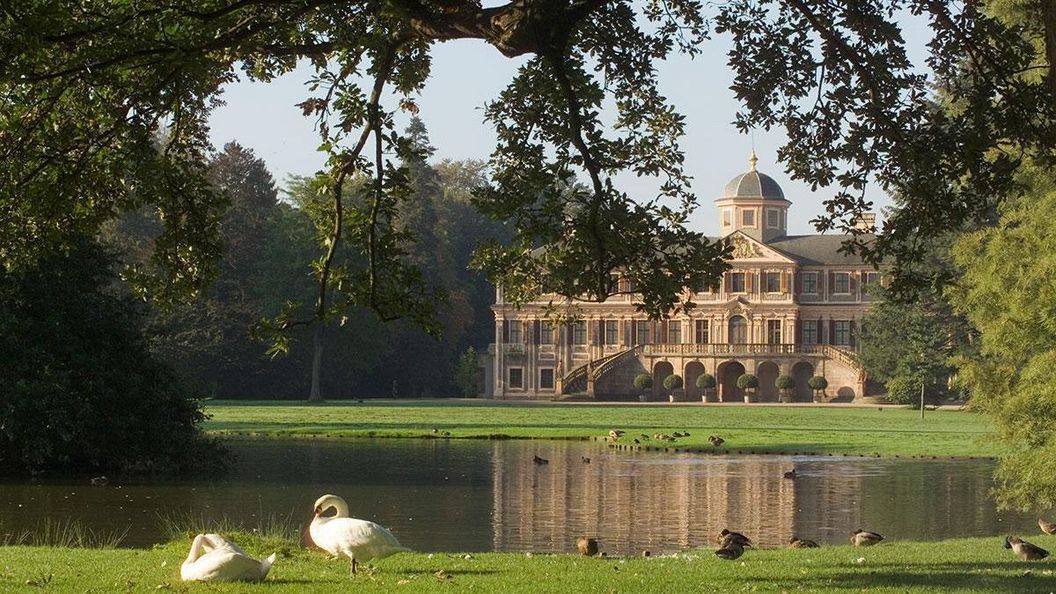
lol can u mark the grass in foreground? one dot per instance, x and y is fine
(964, 565)
(756, 429)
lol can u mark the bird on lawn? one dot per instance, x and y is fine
(359, 540)
(1046, 527)
(584, 459)
(1025, 550)
(539, 460)
(588, 547)
(863, 538)
(790, 474)
(216, 559)
(800, 543)
(726, 537)
(730, 551)
(716, 441)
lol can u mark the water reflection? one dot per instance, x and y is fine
(440, 495)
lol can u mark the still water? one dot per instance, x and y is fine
(440, 495)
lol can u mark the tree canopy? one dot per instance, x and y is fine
(86, 87)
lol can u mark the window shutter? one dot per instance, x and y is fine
(537, 332)
(784, 282)
(823, 338)
(662, 339)
(798, 276)
(832, 332)
(748, 284)
(832, 284)
(729, 282)
(627, 333)
(634, 331)
(854, 334)
(599, 332)
(798, 338)
(526, 328)
(505, 331)
(852, 283)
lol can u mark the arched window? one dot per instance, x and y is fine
(738, 330)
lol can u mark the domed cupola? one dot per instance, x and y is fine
(753, 203)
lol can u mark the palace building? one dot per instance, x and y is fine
(790, 305)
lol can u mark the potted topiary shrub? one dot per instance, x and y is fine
(785, 383)
(818, 383)
(706, 382)
(643, 382)
(748, 383)
(673, 384)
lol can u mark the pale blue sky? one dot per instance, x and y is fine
(466, 74)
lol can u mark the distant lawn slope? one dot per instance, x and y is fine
(965, 565)
(746, 429)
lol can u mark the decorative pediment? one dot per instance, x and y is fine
(746, 248)
(739, 305)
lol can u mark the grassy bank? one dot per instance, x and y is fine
(964, 565)
(747, 429)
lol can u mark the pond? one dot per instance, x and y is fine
(441, 495)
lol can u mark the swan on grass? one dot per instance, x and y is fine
(216, 559)
(359, 540)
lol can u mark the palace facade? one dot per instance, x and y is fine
(790, 305)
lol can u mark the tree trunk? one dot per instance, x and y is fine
(315, 395)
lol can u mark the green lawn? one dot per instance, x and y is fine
(747, 429)
(964, 565)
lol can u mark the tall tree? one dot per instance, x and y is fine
(85, 85)
(1008, 292)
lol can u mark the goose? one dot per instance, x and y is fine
(726, 537)
(359, 540)
(1046, 527)
(588, 547)
(799, 543)
(863, 538)
(716, 441)
(790, 474)
(730, 551)
(1025, 550)
(216, 559)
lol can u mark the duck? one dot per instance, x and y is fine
(539, 460)
(730, 551)
(359, 540)
(790, 474)
(215, 559)
(1025, 550)
(716, 441)
(588, 547)
(800, 543)
(864, 538)
(726, 537)
(1046, 527)
(615, 434)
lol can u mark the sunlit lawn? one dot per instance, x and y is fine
(760, 429)
(964, 565)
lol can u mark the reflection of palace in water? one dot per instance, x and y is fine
(672, 502)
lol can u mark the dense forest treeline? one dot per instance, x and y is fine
(270, 240)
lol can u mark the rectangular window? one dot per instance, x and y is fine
(643, 331)
(515, 332)
(842, 332)
(702, 332)
(773, 331)
(674, 332)
(870, 278)
(810, 283)
(546, 378)
(579, 332)
(773, 282)
(736, 282)
(748, 218)
(516, 378)
(727, 217)
(630, 286)
(841, 283)
(612, 330)
(773, 218)
(546, 333)
(614, 284)
(810, 332)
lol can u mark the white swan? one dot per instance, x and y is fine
(359, 540)
(214, 558)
